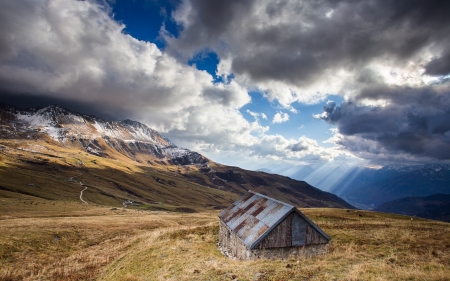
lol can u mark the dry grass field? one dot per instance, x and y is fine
(74, 241)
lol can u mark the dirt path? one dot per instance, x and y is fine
(76, 176)
(85, 187)
(81, 194)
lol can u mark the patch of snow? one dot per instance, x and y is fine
(42, 123)
(93, 151)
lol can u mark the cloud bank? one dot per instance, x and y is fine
(74, 53)
(304, 50)
(413, 124)
(390, 61)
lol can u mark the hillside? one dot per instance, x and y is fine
(435, 207)
(54, 154)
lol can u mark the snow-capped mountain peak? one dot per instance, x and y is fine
(95, 135)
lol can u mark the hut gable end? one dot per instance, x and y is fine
(313, 237)
(280, 236)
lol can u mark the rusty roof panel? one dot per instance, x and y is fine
(241, 225)
(252, 215)
(227, 212)
(237, 219)
(274, 214)
(270, 210)
(243, 199)
(235, 215)
(258, 211)
(250, 223)
(250, 201)
(260, 229)
(230, 213)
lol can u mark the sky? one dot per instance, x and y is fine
(256, 83)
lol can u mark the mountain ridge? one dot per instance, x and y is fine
(436, 206)
(369, 188)
(127, 160)
(96, 135)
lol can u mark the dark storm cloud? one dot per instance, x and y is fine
(333, 112)
(298, 147)
(209, 20)
(295, 42)
(415, 122)
(215, 15)
(105, 111)
(353, 119)
(439, 66)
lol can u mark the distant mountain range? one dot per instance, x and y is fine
(125, 161)
(369, 188)
(435, 207)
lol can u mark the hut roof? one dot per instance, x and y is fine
(254, 215)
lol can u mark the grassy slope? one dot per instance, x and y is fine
(109, 181)
(297, 193)
(96, 243)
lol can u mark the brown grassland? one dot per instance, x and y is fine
(75, 241)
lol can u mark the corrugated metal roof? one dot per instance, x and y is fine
(254, 215)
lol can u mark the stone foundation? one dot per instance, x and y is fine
(289, 252)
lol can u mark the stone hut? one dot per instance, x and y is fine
(257, 226)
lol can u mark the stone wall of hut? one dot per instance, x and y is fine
(288, 253)
(230, 245)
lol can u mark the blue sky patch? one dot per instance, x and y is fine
(143, 19)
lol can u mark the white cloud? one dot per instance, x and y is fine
(293, 110)
(280, 117)
(305, 149)
(257, 115)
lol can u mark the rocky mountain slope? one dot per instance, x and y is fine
(54, 153)
(435, 207)
(94, 135)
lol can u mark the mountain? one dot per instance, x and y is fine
(368, 188)
(435, 207)
(54, 153)
(94, 135)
